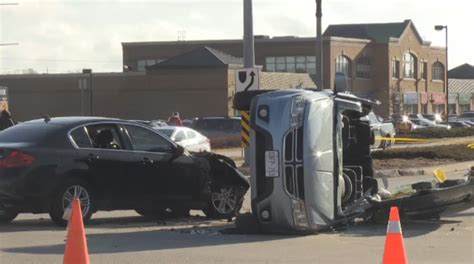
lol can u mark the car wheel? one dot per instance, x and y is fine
(7, 217)
(64, 196)
(224, 202)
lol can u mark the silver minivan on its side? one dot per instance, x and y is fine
(298, 179)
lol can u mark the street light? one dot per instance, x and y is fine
(446, 81)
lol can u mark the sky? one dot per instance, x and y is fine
(69, 35)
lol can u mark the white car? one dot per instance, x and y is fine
(188, 138)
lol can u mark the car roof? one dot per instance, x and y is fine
(73, 120)
(217, 117)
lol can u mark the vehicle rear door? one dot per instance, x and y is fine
(110, 166)
(165, 175)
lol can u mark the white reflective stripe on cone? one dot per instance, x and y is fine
(394, 227)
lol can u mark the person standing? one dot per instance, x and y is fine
(174, 120)
(6, 120)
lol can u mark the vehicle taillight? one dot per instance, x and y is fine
(16, 159)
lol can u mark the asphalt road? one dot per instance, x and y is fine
(124, 237)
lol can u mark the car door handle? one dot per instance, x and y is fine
(147, 161)
(92, 157)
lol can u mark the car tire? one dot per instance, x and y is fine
(7, 217)
(63, 197)
(242, 100)
(224, 202)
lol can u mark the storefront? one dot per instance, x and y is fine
(438, 101)
(452, 103)
(424, 103)
(410, 103)
(464, 103)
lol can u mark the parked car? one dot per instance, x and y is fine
(222, 131)
(152, 123)
(423, 122)
(466, 116)
(458, 124)
(186, 137)
(380, 130)
(110, 164)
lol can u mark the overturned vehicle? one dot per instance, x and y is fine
(311, 167)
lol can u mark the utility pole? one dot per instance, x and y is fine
(249, 53)
(319, 46)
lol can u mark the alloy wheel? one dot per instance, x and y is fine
(79, 192)
(224, 200)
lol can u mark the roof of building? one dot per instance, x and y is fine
(461, 86)
(202, 57)
(379, 32)
(465, 71)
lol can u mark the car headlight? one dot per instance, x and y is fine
(404, 118)
(299, 214)
(297, 111)
(438, 117)
(449, 127)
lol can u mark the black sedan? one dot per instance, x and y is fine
(110, 164)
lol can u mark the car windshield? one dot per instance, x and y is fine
(167, 131)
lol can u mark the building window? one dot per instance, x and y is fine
(411, 109)
(270, 64)
(363, 68)
(464, 108)
(409, 63)
(439, 109)
(343, 66)
(437, 71)
(301, 64)
(141, 65)
(395, 69)
(423, 70)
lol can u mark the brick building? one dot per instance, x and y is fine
(389, 62)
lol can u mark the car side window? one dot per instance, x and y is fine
(180, 136)
(81, 138)
(146, 140)
(190, 134)
(104, 136)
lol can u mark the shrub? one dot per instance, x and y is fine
(436, 132)
(458, 152)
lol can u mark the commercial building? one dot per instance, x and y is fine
(198, 83)
(389, 62)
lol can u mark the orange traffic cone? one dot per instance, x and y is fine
(394, 246)
(76, 245)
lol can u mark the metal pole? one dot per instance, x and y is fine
(319, 45)
(249, 53)
(249, 56)
(92, 103)
(447, 79)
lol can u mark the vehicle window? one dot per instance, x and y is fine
(80, 137)
(165, 131)
(190, 134)
(180, 136)
(104, 136)
(146, 140)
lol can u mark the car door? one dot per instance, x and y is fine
(165, 175)
(109, 168)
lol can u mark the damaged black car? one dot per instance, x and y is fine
(110, 164)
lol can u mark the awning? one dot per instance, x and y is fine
(438, 98)
(465, 99)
